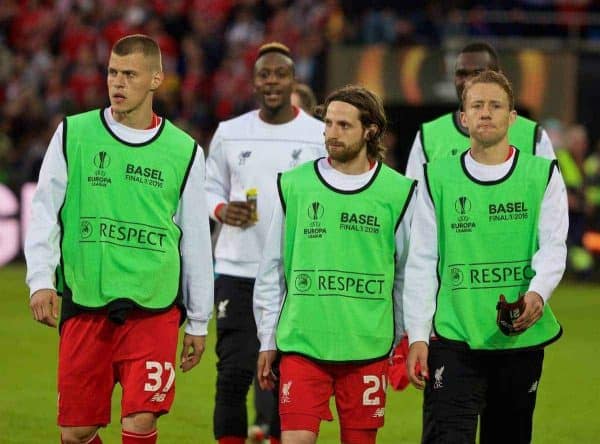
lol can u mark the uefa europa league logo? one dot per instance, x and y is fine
(462, 205)
(315, 211)
(102, 160)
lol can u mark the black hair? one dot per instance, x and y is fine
(483, 47)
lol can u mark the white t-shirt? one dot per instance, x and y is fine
(245, 153)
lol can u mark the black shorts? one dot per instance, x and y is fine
(500, 387)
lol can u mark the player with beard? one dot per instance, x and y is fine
(245, 155)
(328, 287)
(447, 136)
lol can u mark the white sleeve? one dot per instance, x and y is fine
(421, 285)
(197, 279)
(269, 288)
(416, 159)
(42, 249)
(544, 148)
(217, 174)
(402, 243)
(550, 259)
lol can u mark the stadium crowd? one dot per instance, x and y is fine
(52, 55)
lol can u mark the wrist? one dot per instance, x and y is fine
(218, 210)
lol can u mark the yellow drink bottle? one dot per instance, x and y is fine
(252, 198)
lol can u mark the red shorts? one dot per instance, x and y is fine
(306, 386)
(95, 354)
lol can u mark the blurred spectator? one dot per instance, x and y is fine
(208, 33)
(85, 83)
(76, 36)
(51, 52)
(173, 13)
(31, 18)
(306, 57)
(231, 92)
(379, 24)
(304, 97)
(116, 26)
(169, 47)
(591, 169)
(390, 141)
(555, 130)
(57, 98)
(246, 29)
(281, 28)
(570, 160)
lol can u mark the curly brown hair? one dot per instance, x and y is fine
(371, 112)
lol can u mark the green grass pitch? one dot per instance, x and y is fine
(568, 404)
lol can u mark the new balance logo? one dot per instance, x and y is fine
(379, 413)
(438, 378)
(533, 387)
(222, 309)
(158, 397)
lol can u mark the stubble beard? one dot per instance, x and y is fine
(347, 154)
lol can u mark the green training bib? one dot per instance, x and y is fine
(340, 264)
(119, 239)
(487, 236)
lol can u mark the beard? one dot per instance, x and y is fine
(340, 152)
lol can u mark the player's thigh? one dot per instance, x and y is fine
(85, 376)
(237, 344)
(514, 380)
(146, 361)
(360, 394)
(238, 349)
(454, 395)
(233, 303)
(304, 391)
(511, 396)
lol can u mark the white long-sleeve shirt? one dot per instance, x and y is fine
(42, 249)
(421, 286)
(245, 153)
(416, 157)
(269, 288)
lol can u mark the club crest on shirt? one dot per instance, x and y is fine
(295, 157)
(243, 156)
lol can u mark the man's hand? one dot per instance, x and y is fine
(197, 344)
(44, 306)
(397, 370)
(534, 308)
(418, 371)
(264, 372)
(236, 213)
